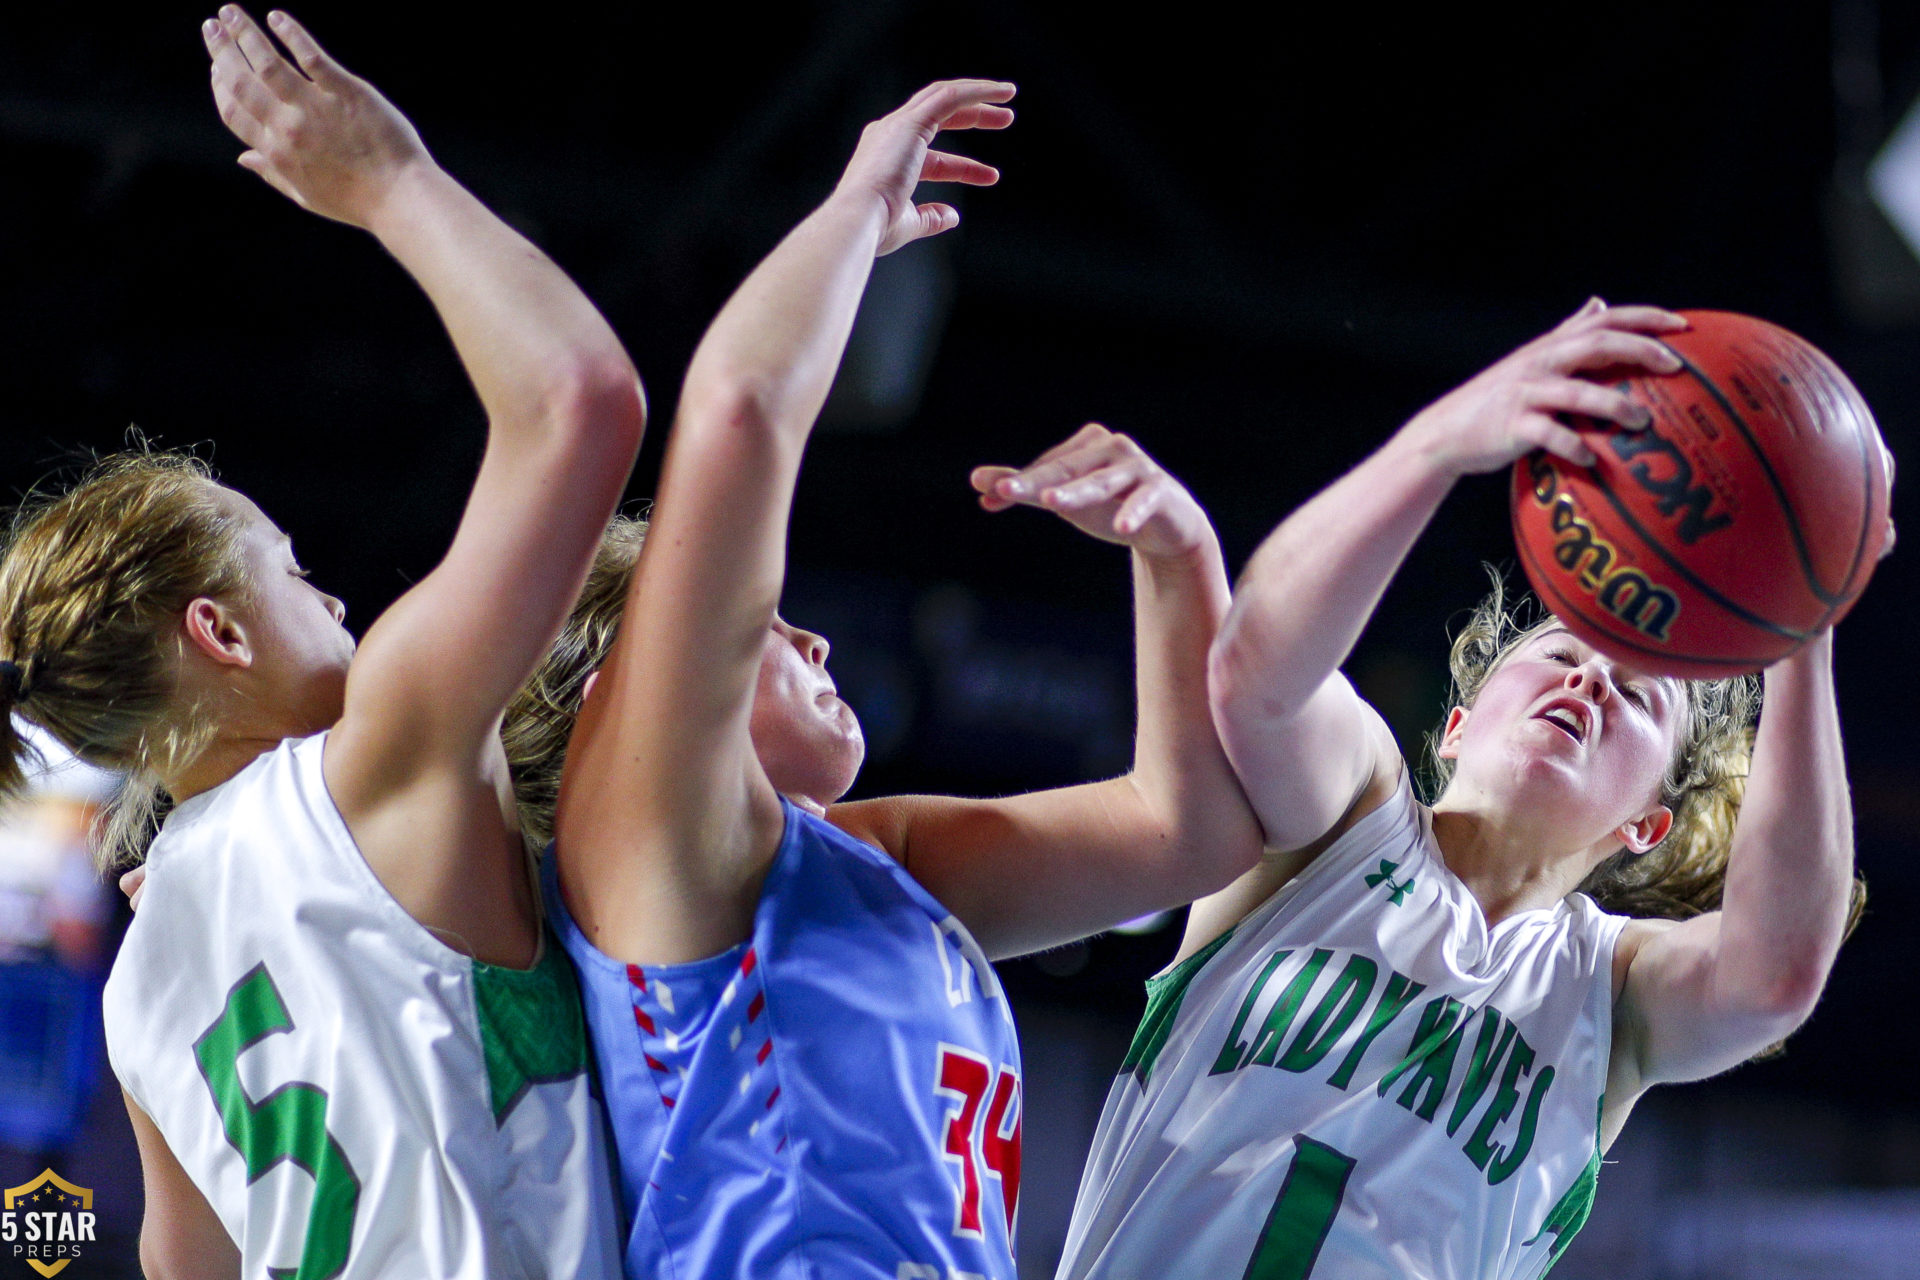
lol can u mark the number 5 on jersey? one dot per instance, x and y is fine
(288, 1124)
(981, 1134)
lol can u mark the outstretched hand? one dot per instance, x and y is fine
(895, 155)
(1105, 485)
(1511, 408)
(316, 133)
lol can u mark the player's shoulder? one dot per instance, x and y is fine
(884, 822)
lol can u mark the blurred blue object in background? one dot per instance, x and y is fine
(53, 911)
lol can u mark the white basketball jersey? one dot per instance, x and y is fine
(353, 1097)
(1362, 1081)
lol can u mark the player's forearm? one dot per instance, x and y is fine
(1309, 590)
(541, 357)
(1179, 604)
(1790, 872)
(769, 357)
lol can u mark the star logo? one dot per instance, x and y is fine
(58, 1211)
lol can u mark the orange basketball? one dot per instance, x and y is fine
(1743, 521)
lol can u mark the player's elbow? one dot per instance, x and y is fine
(1240, 676)
(741, 408)
(1204, 834)
(1794, 993)
(596, 402)
(1783, 995)
(161, 1262)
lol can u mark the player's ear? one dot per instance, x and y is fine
(1646, 831)
(586, 688)
(214, 629)
(1449, 748)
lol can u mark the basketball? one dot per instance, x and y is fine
(1727, 534)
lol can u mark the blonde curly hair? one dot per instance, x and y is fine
(1685, 874)
(540, 718)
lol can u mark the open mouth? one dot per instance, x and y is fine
(1568, 717)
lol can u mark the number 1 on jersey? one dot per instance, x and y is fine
(1302, 1213)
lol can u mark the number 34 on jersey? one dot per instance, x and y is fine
(980, 1138)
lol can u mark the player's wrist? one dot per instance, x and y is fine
(404, 193)
(1426, 452)
(857, 205)
(1179, 555)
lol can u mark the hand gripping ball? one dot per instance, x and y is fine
(1745, 520)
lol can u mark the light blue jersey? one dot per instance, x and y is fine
(837, 1096)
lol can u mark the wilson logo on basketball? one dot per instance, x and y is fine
(1626, 594)
(1662, 470)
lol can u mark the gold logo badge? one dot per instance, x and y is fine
(47, 1222)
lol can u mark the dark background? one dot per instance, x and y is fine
(1256, 247)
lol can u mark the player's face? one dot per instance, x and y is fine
(807, 739)
(1561, 725)
(297, 632)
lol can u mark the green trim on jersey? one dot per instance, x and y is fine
(1569, 1213)
(1164, 993)
(531, 1024)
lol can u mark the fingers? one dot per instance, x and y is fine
(985, 482)
(1092, 466)
(1105, 485)
(1142, 505)
(318, 65)
(1556, 438)
(134, 885)
(940, 166)
(255, 163)
(1645, 319)
(1086, 435)
(1102, 484)
(273, 70)
(246, 104)
(931, 220)
(1612, 348)
(979, 115)
(963, 104)
(233, 83)
(1638, 318)
(1589, 400)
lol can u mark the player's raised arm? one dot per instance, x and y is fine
(1700, 996)
(667, 820)
(1032, 871)
(1303, 743)
(564, 408)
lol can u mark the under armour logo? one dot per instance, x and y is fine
(1396, 892)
